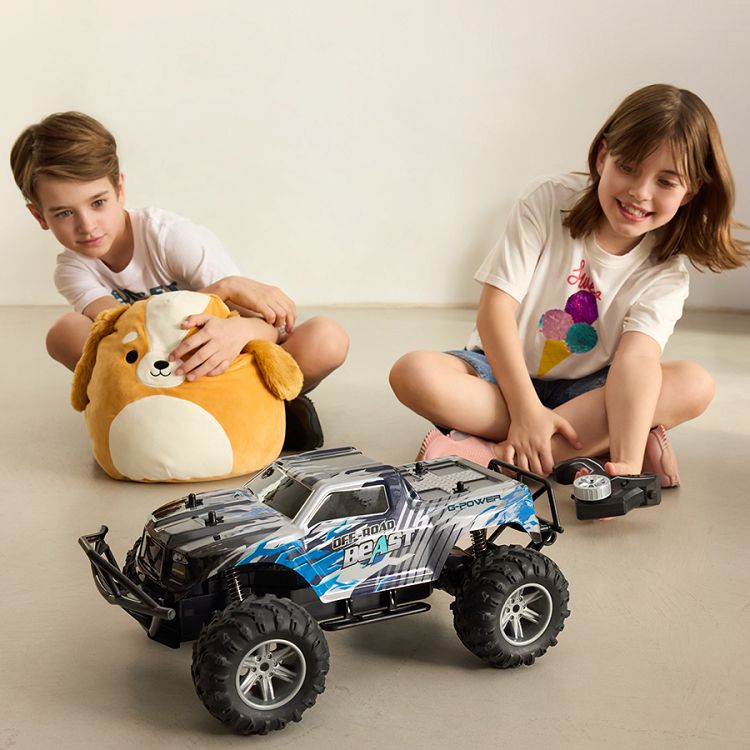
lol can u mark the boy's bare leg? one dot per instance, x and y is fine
(319, 346)
(445, 390)
(66, 338)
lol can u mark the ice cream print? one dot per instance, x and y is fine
(568, 331)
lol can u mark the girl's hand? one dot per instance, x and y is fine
(267, 301)
(212, 348)
(529, 441)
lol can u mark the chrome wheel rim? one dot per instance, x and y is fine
(526, 614)
(270, 674)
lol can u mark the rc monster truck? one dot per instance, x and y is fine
(327, 540)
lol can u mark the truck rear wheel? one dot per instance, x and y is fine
(511, 606)
(259, 664)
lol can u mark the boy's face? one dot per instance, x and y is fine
(85, 217)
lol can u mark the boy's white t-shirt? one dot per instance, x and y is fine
(576, 300)
(169, 253)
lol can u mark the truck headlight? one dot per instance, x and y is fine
(179, 567)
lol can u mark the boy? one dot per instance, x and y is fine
(67, 169)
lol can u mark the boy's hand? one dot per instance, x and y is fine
(212, 348)
(528, 444)
(267, 301)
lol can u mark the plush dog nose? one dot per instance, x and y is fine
(162, 364)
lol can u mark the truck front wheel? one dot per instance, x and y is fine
(129, 567)
(259, 664)
(511, 606)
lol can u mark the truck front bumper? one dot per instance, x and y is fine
(117, 588)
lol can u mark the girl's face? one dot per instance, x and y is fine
(636, 198)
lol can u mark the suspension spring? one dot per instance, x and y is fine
(232, 586)
(479, 542)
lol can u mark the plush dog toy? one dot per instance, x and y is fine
(150, 425)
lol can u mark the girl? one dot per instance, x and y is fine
(579, 298)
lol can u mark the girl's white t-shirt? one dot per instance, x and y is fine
(576, 300)
(169, 253)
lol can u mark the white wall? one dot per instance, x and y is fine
(355, 152)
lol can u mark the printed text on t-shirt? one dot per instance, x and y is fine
(582, 280)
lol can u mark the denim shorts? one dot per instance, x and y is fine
(552, 393)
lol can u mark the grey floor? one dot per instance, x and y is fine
(654, 655)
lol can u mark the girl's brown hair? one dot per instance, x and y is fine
(66, 145)
(702, 228)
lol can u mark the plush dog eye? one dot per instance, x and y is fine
(131, 356)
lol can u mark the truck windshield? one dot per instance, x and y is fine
(279, 491)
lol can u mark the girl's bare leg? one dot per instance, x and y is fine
(445, 390)
(686, 391)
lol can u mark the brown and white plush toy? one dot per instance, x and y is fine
(150, 425)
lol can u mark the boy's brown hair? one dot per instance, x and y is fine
(649, 117)
(65, 145)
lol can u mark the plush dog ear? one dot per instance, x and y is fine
(279, 371)
(103, 325)
(217, 306)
